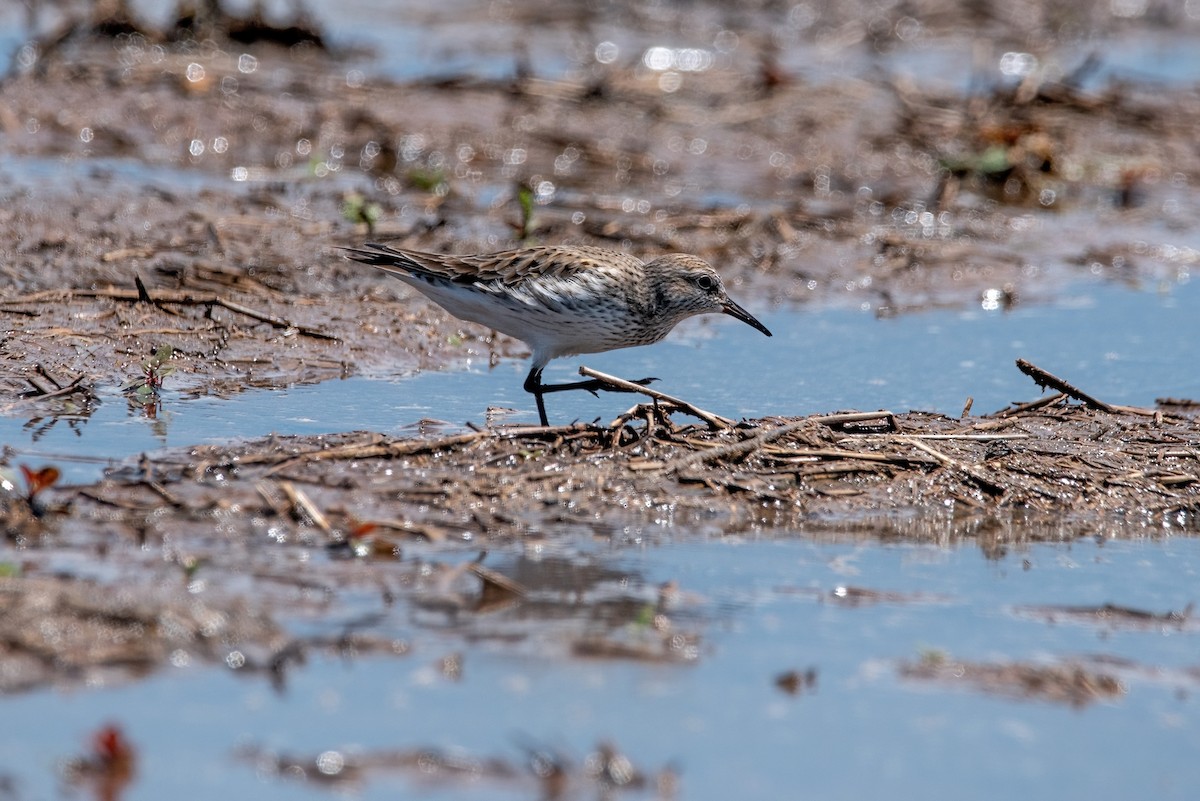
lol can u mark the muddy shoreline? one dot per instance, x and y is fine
(1005, 196)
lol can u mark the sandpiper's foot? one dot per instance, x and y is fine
(593, 386)
(534, 386)
(596, 386)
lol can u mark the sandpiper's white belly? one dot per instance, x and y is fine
(554, 317)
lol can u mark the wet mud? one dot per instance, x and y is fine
(395, 516)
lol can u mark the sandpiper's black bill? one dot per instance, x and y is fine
(734, 310)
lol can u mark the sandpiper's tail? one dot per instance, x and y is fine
(431, 268)
(382, 256)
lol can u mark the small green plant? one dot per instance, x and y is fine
(932, 657)
(644, 619)
(428, 179)
(357, 209)
(145, 388)
(190, 565)
(992, 161)
(525, 201)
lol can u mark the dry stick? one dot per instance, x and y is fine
(715, 421)
(69, 389)
(976, 475)
(304, 504)
(853, 417)
(968, 437)
(807, 455)
(1044, 379)
(197, 299)
(143, 293)
(1031, 405)
(404, 447)
(164, 493)
(426, 530)
(39, 297)
(42, 387)
(118, 503)
(748, 445)
(359, 450)
(1186, 403)
(278, 322)
(49, 376)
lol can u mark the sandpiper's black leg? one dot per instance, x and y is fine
(534, 386)
(594, 386)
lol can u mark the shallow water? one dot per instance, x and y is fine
(1120, 345)
(722, 723)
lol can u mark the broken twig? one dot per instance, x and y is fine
(715, 421)
(192, 299)
(971, 471)
(1044, 379)
(747, 445)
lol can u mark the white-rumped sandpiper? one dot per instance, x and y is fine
(562, 301)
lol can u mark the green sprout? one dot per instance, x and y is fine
(992, 161)
(357, 209)
(644, 619)
(190, 566)
(428, 179)
(525, 201)
(154, 369)
(932, 657)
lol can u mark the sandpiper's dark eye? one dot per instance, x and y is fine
(707, 283)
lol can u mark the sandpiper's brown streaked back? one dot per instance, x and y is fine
(562, 301)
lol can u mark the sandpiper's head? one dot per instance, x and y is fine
(685, 285)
